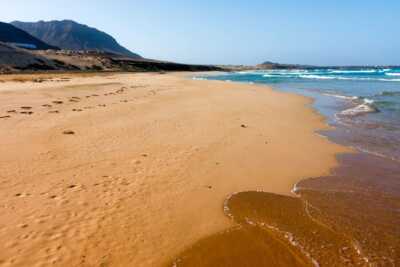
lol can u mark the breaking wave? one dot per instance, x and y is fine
(367, 106)
(353, 71)
(321, 77)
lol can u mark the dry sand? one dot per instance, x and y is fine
(131, 169)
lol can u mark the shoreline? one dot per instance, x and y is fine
(194, 159)
(336, 200)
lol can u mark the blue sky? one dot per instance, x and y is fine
(340, 32)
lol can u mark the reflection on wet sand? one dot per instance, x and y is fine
(281, 217)
(362, 201)
(348, 219)
(244, 245)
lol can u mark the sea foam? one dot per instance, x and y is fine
(367, 106)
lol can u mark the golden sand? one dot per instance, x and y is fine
(133, 169)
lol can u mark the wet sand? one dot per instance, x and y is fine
(133, 169)
(361, 199)
(349, 218)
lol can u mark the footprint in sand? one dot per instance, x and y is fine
(5, 117)
(77, 110)
(26, 108)
(22, 195)
(47, 106)
(11, 111)
(58, 102)
(54, 111)
(102, 105)
(23, 225)
(68, 132)
(26, 112)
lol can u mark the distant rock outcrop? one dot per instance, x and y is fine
(12, 35)
(70, 35)
(273, 65)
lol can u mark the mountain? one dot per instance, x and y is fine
(12, 35)
(70, 35)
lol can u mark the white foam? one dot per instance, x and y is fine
(358, 110)
(295, 189)
(393, 74)
(247, 72)
(389, 80)
(376, 153)
(368, 101)
(291, 239)
(318, 77)
(359, 251)
(341, 96)
(321, 77)
(353, 71)
(367, 106)
(289, 236)
(269, 75)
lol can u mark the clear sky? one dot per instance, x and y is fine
(336, 32)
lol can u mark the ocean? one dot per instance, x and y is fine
(363, 104)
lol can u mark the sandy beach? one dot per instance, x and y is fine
(132, 169)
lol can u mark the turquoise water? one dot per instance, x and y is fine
(363, 104)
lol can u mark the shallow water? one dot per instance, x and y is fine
(362, 200)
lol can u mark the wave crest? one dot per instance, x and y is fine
(367, 106)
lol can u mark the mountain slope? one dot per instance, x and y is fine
(14, 59)
(70, 35)
(12, 34)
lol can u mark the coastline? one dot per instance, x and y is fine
(166, 152)
(336, 201)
